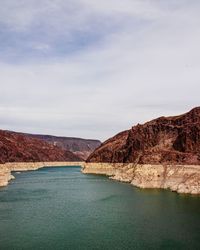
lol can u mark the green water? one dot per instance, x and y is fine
(60, 208)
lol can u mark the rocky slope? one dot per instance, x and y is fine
(80, 147)
(167, 140)
(15, 147)
(162, 153)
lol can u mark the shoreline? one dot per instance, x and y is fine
(179, 178)
(7, 168)
(183, 179)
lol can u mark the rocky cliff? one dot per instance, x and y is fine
(166, 140)
(162, 153)
(15, 147)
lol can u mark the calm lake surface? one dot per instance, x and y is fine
(60, 208)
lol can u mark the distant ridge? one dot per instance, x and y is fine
(78, 146)
(17, 147)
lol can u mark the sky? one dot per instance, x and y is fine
(90, 69)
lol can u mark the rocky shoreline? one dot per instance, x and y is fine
(7, 168)
(178, 178)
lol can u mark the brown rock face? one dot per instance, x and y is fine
(166, 140)
(15, 147)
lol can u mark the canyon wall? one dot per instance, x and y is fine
(179, 178)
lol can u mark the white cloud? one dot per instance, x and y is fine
(147, 66)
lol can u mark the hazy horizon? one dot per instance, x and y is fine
(92, 69)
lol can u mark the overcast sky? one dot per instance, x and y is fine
(92, 68)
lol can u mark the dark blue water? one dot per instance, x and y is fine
(60, 208)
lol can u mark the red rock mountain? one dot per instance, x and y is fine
(16, 147)
(163, 140)
(80, 147)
